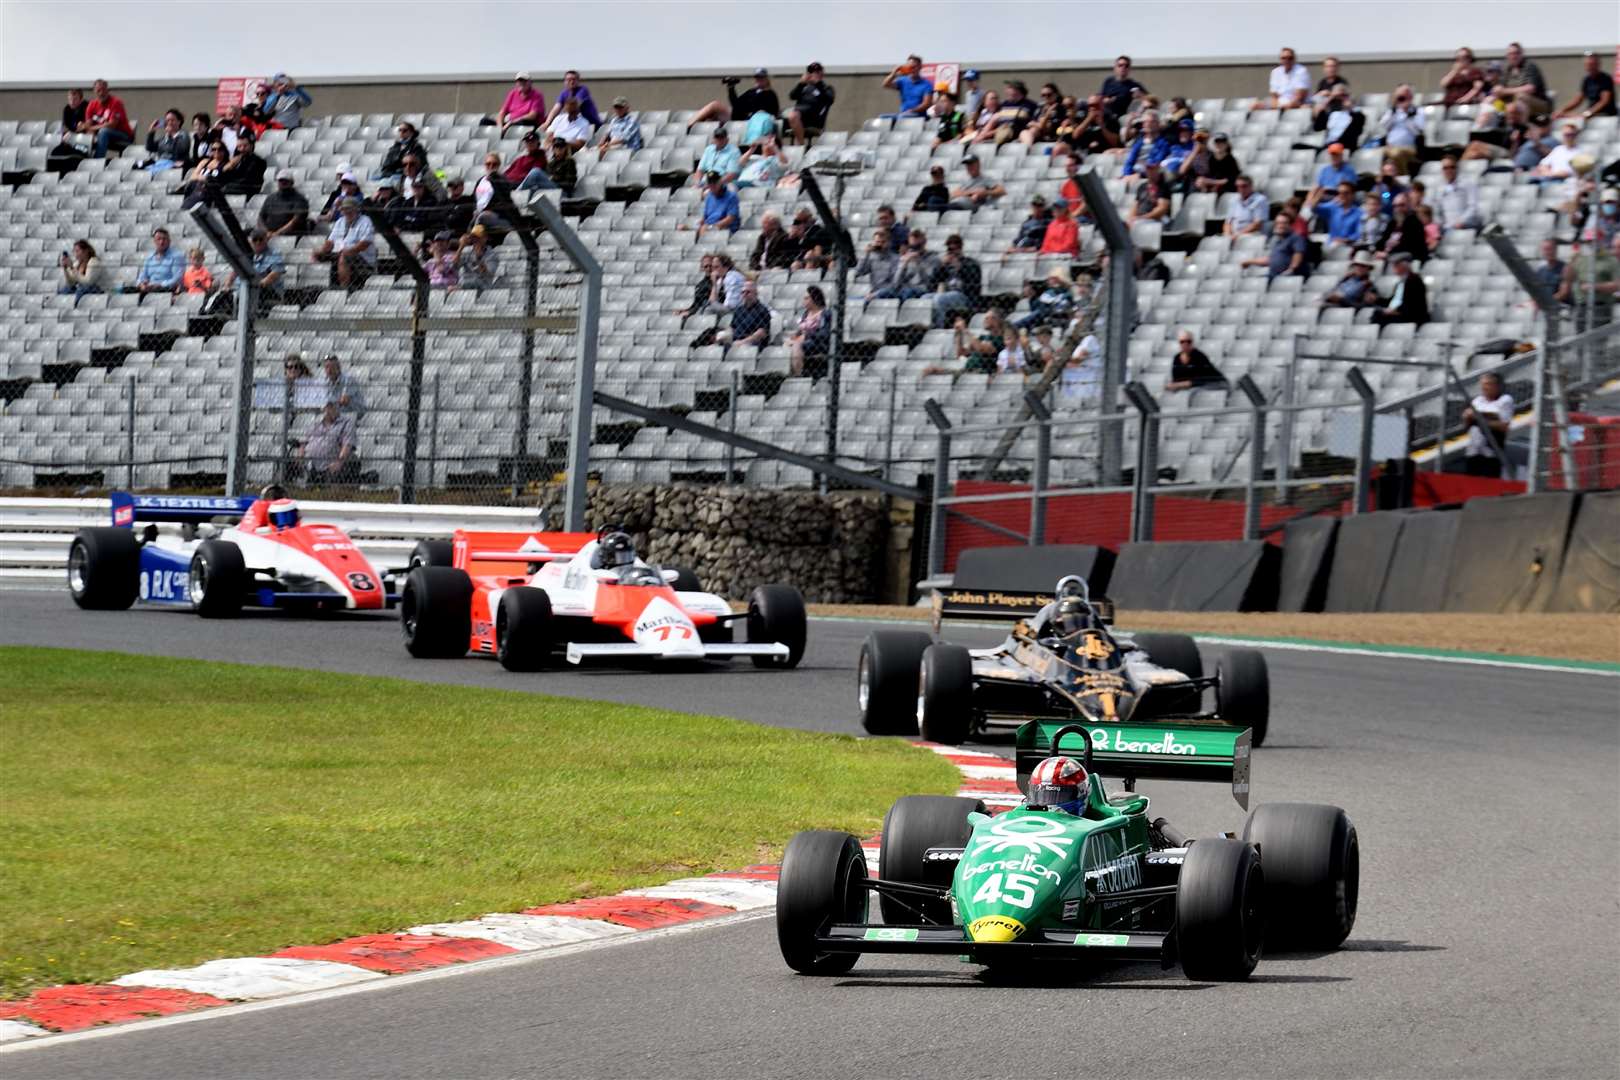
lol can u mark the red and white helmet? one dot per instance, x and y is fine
(1058, 783)
(283, 514)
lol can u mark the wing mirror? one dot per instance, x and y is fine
(669, 576)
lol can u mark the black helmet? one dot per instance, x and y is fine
(615, 549)
(1072, 616)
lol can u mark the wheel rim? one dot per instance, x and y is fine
(407, 614)
(1253, 917)
(78, 563)
(863, 691)
(197, 581)
(501, 650)
(922, 695)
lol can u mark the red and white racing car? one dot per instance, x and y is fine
(524, 597)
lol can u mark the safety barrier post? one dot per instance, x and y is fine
(942, 487)
(1364, 446)
(1257, 457)
(1043, 459)
(1147, 460)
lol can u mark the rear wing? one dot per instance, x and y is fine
(128, 509)
(1143, 751)
(953, 603)
(511, 553)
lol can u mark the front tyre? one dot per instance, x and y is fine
(1220, 920)
(819, 885)
(104, 569)
(886, 680)
(1178, 652)
(218, 580)
(914, 824)
(1313, 873)
(776, 614)
(524, 629)
(1243, 696)
(435, 612)
(945, 694)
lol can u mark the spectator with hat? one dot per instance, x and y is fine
(936, 194)
(269, 270)
(718, 157)
(812, 100)
(1052, 305)
(1183, 141)
(348, 184)
(561, 168)
(1033, 229)
(757, 99)
(1597, 92)
(477, 263)
(350, 247)
(1120, 89)
(1355, 288)
(969, 94)
(1332, 173)
(1063, 234)
(1249, 210)
(385, 206)
(952, 120)
(576, 91)
(459, 205)
(1409, 303)
(622, 131)
(285, 105)
(916, 93)
(524, 104)
(571, 125)
(284, 212)
(408, 142)
(977, 190)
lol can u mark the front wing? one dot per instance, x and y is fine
(1038, 944)
(628, 650)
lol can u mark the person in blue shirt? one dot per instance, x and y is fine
(162, 270)
(1342, 217)
(719, 157)
(1287, 254)
(1150, 145)
(720, 207)
(916, 92)
(577, 90)
(1328, 178)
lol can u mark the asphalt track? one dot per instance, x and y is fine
(1485, 945)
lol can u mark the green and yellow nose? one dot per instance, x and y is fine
(995, 928)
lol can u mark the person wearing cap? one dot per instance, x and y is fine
(1119, 89)
(1597, 92)
(1457, 202)
(812, 99)
(385, 204)
(969, 94)
(1051, 306)
(570, 124)
(351, 246)
(1063, 234)
(1151, 145)
(528, 169)
(346, 183)
(1152, 200)
(916, 92)
(721, 209)
(1606, 223)
(459, 205)
(162, 270)
(285, 106)
(936, 194)
(1409, 302)
(1184, 144)
(284, 212)
(407, 142)
(957, 286)
(1249, 210)
(977, 189)
(1341, 218)
(1033, 229)
(622, 131)
(524, 104)
(443, 263)
(718, 157)
(576, 91)
(477, 263)
(562, 170)
(269, 270)
(1333, 172)
(1355, 288)
(757, 99)
(1191, 369)
(813, 238)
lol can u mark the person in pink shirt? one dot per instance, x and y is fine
(523, 105)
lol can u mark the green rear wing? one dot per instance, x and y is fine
(1143, 751)
(999, 604)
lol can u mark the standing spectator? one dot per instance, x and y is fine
(1409, 303)
(1458, 202)
(935, 195)
(1404, 233)
(916, 93)
(1550, 270)
(721, 209)
(1191, 369)
(1152, 202)
(1334, 172)
(562, 169)
(759, 98)
(285, 106)
(750, 322)
(1052, 305)
(1010, 119)
(350, 246)
(812, 99)
(977, 190)
(527, 171)
(953, 121)
(269, 268)
(1063, 234)
(328, 451)
(167, 145)
(1082, 377)
(810, 345)
(577, 92)
(162, 270)
(957, 284)
(197, 278)
(703, 291)
(408, 142)
(1094, 131)
(1522, 81)
(1150, 147)
(775, 249)
(919, 268)
(1464, 82)
(1286, 255)
(967, 88)
(1490, 412)
(718, 157)
(1248, 211)
(1592, 282)
(244, 173)
(1402, 130)
(763, 164)
(1050, 113)
(1289, 86)
(570, 125)
(1119, 89)
(881, 265)
(1597, 92)
(524, 105)
(81, 272)
(443, 264)
(1342, 218)
(477, 263)
(623, 131)
(106, 121)
(1355, 289)
(1033, 229)
(284, 211)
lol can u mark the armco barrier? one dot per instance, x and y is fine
(1421, 564)
(1361, 558)
(1034, 569)
(1231, 575)
(1307, 558)
(1509, 553)
(1590, 577)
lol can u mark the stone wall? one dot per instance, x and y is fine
(832, 547)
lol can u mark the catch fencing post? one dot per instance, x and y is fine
(1257, 457)
(129, 448)
(942, 487)
(731, 425)
(1121, 316)
(1147, 460)
(231, 244)
(1043, 457)
(1364, 445)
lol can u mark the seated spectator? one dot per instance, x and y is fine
(1403, 235)
(571, 125)
(385, 207)
(1431, 228)
(978, 354)
(523, 106)
(1458, 202)
(1052, 305)
(459, 207)
(73, 113)
(576, 91)
(1119, 89)
(812, 100)
(1558, 164)
(953, 121)
(1409, 303)
(65, 155)
(1191, 369)
(702, 292)
(726, 289)
(1522, 81)
(918, 270)
(977, 190)
(813, 239)
(1339, 121)
(341, 389)
(1597, 92)
(1033, 229)
(1287, 254)
(81, 272)
(527, 171)
(1050, 114)
(956, 285)
(1071, 187)
(775, 249)
(1289, 85)
(492, 190)
(1464, 82)
(350, 246)
(228, 128)
(750, 322)
(408, 142)
(756, 100)
(935, 195)
(880, 265)
(1150, 147)
(1177, 111)
(561, 168)
(1499, 135)
(814, 337)
(916, 93)
(1332, 173)
(416, 180)
(1537, 142)
(254, 117)
(1332, 84)
(1063, 234)
(1341, 218)
(989, 105)
(1152, 201)
(1011, 118)
(1402, 130)
(1014, 355)
(1489, 418)
(284, 212)
(968, 92)
(1210, 168)
(1183, 141)
(1388, 185)
(477, 263)
(294, 369)
(202, 137)
(269, 268)
(1372, 219)
(718, 157)
(1248, 212)
(1591, 285)
(443, 264)
(284, 107)
(762, 165)
(1082, 377)
(1094, 130)
(106, 122)
(1355, 289)
(162, 270)
(721, 209)
(623, 129)
(197, 278)
(243, 174)
(348, 184)
(167, 146)
(1550, 270)
(328, 450)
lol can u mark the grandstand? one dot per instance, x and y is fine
(64, 368)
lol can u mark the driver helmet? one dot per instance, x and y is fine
(1072, 616)
(283, 514)
(615, 549)
(1058, 783)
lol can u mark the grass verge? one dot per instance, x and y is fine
(163, 812)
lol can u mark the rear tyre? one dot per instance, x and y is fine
(1243, 696)
(1220, 920)
(435, 612)
(432, 553)
(524, 629)
(819, 885)
(104, 569)
(1177, 651)
(914, 824)
(886, 680)
(776, 613)
(1313, 873)
(945, 694)
(219, 580)
(685, 579)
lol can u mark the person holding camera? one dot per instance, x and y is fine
(759, 98)
(81, 271)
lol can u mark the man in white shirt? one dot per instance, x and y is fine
(1492, 410)
(1290, 83)
(1559, 162)
(569, 126)
(1249, 211)
(1457, 202)
(351, 245)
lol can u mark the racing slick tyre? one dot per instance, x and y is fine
(104, 569)
(1243, 696)
(914, 824)
(219, 580)
(1220, 914)
(435, 612)
(886, 680)
(524, 629)
(776, 613)
(1178, 651)
(818, 885)
(432, 553)
(685, 579)
(1313, 873)
(945, 694)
